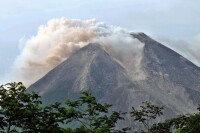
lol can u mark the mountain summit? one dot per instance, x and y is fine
(89, 68)
(166, 66)
(170, 80)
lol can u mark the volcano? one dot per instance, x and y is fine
(170, 80)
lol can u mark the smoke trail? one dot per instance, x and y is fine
(57, 40)
(127, 50)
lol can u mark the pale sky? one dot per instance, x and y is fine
(173, 19)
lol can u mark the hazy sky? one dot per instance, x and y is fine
(171, 19)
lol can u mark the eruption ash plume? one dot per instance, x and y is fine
(57, 40)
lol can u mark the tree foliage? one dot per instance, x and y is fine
(146, 114)
(22, 112)
(94, 117)
(17, 108)
(189, 123)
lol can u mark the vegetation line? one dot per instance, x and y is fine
(22, 112)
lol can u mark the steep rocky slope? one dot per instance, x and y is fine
(171, 77)
(170, 80)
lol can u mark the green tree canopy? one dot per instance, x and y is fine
(22, 112)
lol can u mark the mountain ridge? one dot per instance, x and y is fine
(171, 80)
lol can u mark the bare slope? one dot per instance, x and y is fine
(170, 80)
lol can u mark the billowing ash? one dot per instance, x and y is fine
(59, 38)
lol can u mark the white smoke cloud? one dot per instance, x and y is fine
(127, 50)
(57, 40)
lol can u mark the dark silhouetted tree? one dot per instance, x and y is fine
(146, 114)
(23, 112)
(93, 117)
